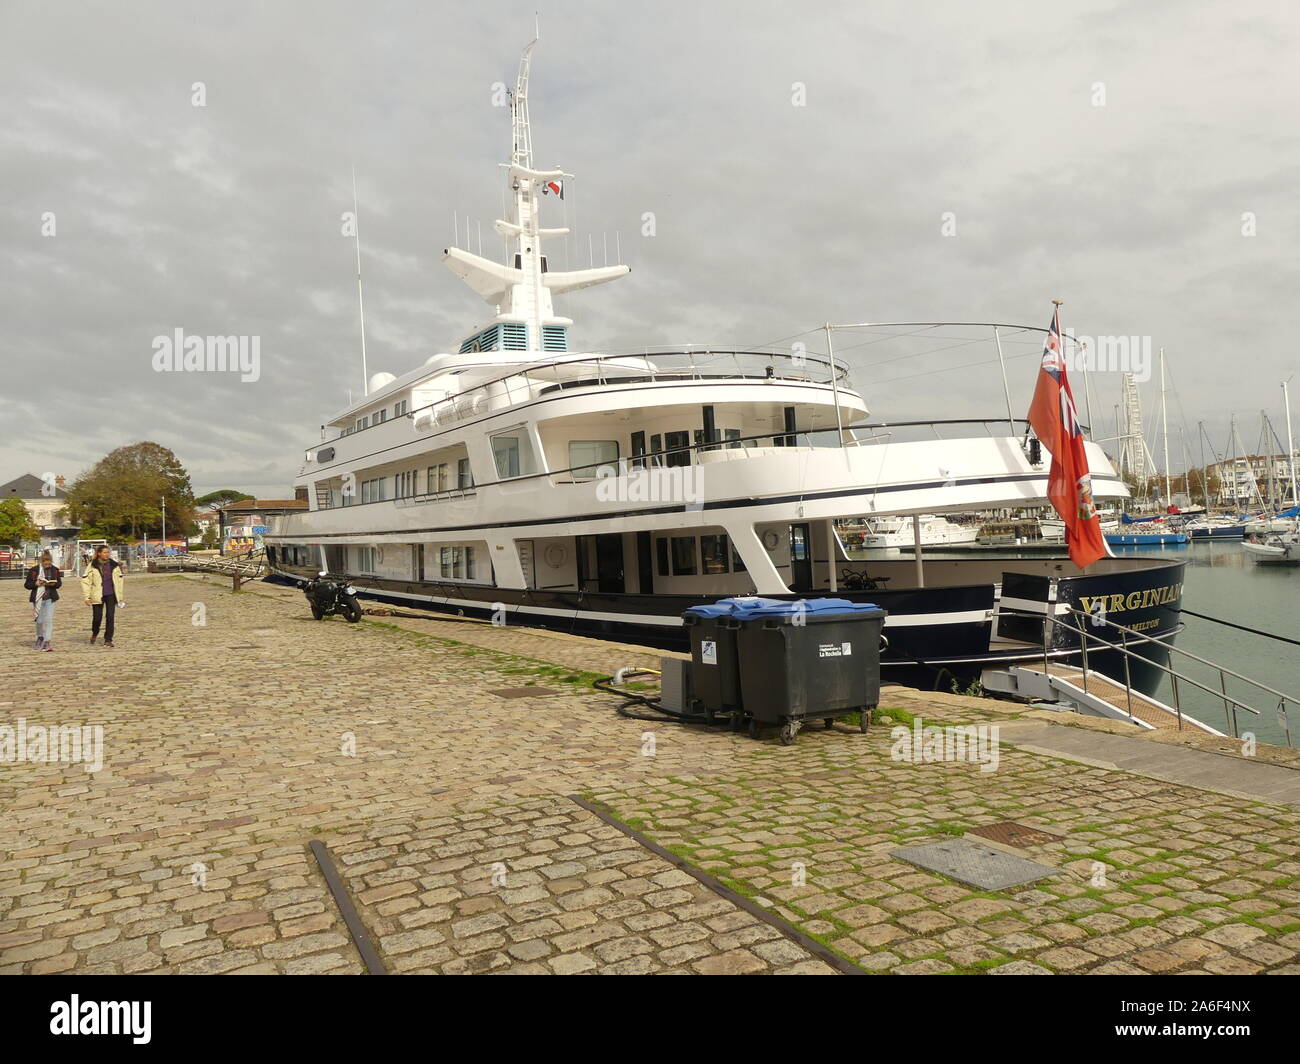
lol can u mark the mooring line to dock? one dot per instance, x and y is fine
(360, 937)
(1241, 627)
(822, 953)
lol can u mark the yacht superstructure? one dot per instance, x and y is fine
(524, 479)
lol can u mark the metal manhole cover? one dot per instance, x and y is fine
(521, 692)
(969, 862)
(1013, 834)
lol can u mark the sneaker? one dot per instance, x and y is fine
(107, 643)
(93, 638)
(47, 648)
(38, 645)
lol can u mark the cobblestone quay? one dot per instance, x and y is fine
(236, 730)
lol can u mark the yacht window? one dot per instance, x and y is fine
(587, 456)
(673, 440)
(684, 556)
(513, 453)
(732, 436)
(661, 549)
(737, 562)
(380, 416)
(373, 490)
(400, 408)
(638, 448)
(713, 554)
(362, 423)
(656, 445)
(464, 478)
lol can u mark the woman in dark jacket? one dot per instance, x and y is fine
(44, 581)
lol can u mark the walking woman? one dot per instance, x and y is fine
(102, 586)
(44, 581)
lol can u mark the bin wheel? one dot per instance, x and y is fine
(864, 719)
(737, 721)
(789, 732)
(828, 723)
(753, 728)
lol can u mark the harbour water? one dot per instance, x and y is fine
(1222, 581)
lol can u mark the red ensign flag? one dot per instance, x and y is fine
(1069, 484)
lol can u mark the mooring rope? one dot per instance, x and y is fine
(1242, 627)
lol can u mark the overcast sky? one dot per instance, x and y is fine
(771, 218)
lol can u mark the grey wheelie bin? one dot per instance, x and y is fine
(806, 660)
(715, 671)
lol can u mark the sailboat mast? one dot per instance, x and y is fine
(1290, 443)
(1205, 470)
(1164, 424)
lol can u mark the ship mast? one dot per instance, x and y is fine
(521, 289)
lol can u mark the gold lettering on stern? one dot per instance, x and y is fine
(1134, 600)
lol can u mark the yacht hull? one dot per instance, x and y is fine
(939, 638)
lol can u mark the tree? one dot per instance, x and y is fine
(16, 524)
(122, 494)
(216, 499)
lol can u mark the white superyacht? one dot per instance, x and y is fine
(520, 477)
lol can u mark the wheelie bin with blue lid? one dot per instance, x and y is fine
(806, 660)
(715, 672)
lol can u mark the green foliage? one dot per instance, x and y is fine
(223, 497)
(16, 525)
(121, 496)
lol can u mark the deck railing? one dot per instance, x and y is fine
(1127, 635)
(578, 372)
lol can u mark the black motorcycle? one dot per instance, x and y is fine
(328, 597)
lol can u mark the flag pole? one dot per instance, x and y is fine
(1006, 389)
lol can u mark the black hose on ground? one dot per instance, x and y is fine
(664, 716)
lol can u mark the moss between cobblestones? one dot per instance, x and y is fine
(746, 802)
(522, 666)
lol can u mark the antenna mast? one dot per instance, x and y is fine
(361, 302)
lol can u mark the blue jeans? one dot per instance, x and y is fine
(45, 620)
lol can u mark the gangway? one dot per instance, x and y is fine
(1095, 693)
(241, 567)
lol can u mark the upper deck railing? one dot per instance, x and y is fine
(577, 372)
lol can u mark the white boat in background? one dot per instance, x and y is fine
(1026, 530)
(897, 532)
(1279, 522)
(1274, 548)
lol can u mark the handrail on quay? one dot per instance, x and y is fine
(1230, 703)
